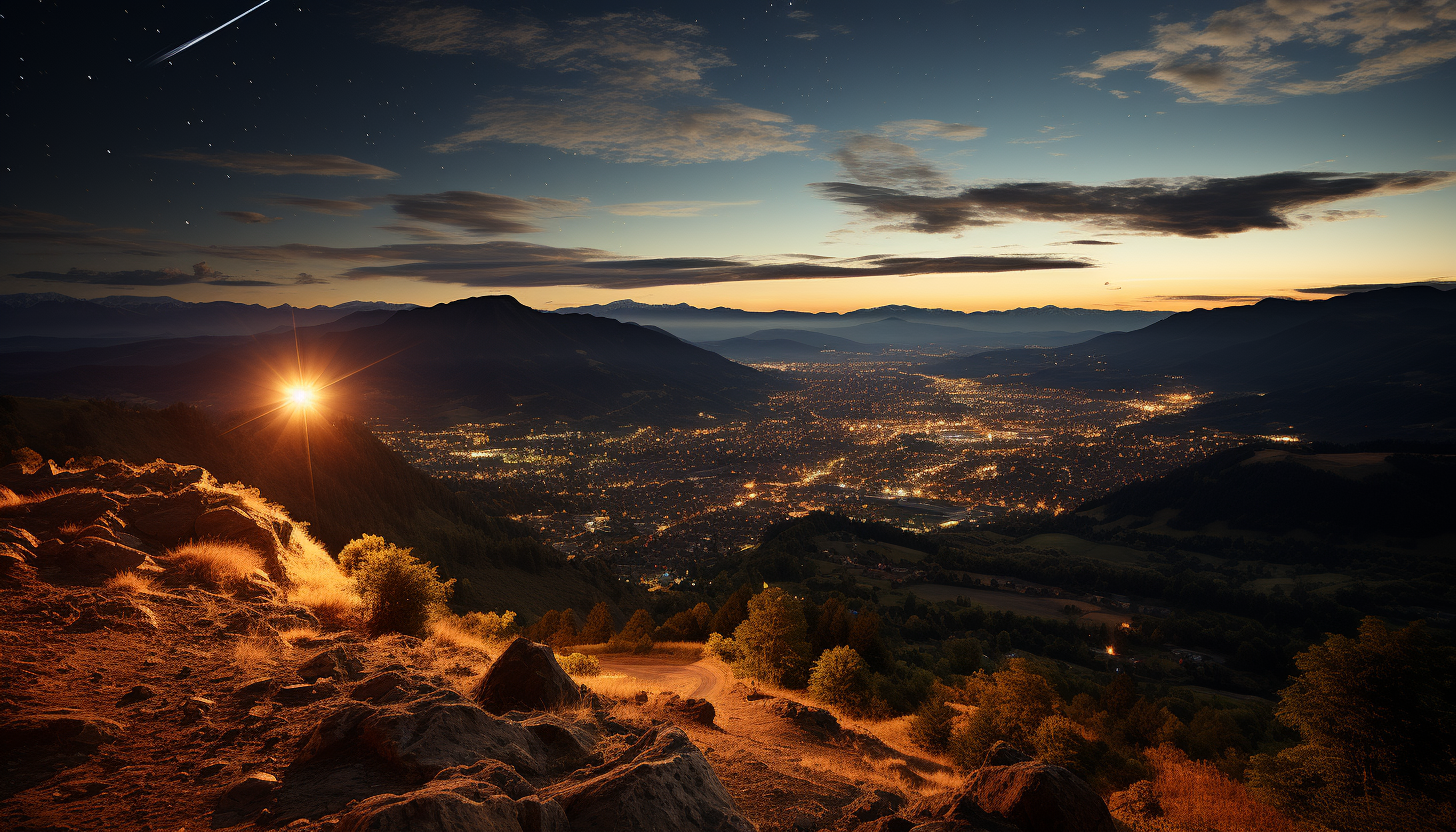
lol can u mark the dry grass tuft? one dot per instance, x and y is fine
(133, 582)
(256, 651)
(618, 686)
(216, 562)
(293, 635)
(9, 498)
(336, 607)
(1196, 797)
(70, 530)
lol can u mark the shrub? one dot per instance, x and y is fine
(930, 727)
(723, 649)
(578, 664)
(489, 625)
(1058, 741)
(400, 592)
(358, 549)
(840, 678)
(1186, 794)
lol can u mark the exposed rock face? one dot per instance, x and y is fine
(454, 806)
(1030, 796)
(661, 784)
(338, 662)
(526, 677)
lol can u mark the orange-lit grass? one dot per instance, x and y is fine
(216, 562)
(133, 582)
(1196, 797)
(336, 607)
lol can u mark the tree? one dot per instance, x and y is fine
(1058, 741)
(598, 627)
(400, 592)
(771, 641)
(636, 634)
(931, 726)
(733, 612)
(832, 628)
(545, 627)
(1010, 705)
(840, 678)
(864, 637)
(565, 634)
(1378, 725)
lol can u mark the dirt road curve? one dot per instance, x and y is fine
(699, 679)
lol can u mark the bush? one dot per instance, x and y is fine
(930, 727)
(358, 549)
(489, 625)
(723, 649)
(400, 592)
(1058, 741)
(772, 642)
(578, 664)
(840, 678)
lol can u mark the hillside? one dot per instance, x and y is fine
(182, 651)
(470, 360)
(1359, 366)
(358, 486)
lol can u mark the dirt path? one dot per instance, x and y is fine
(699, 680)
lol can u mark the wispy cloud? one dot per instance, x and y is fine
(513, 264)
(880, 162)
(637, 88)
(281, 164)
(482, 213)
(335, 207)
(671, 208)
(248, 217)
(1185, 207)
(925, 128)
(200, 273)
(1239, 55)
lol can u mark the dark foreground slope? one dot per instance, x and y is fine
(1368, 365)
(474, 359)
(355, 485)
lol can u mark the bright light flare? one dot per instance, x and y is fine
(302, 396)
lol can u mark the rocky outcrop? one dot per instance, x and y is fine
(90, 520)
(661, 784)
(1024, 794)
(454, 806)
(526, 677)
(700, 711)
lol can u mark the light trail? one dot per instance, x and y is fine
(201, 38)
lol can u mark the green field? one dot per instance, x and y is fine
(859, 550)
(1073, 545)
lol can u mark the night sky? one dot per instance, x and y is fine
(798, 155)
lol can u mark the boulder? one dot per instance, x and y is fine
(74, 507)
(96, 556)
(700, 711)
(873, 806)
(815, 721)
(568, 746)
(1004, 754)
(249, 794)
(172, 524)
(452, 806)
(1034, 797)
(138, 693)
(526, 677)
(660, 784)
(419, 743)
(381, 688)
(336, 662)
(58, 729)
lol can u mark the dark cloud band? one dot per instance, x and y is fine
(1184, 207)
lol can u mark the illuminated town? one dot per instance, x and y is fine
(878, 441)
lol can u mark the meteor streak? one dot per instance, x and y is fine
(200, 38)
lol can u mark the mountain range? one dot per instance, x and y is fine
(1358, 366)
(49, 320)
(470, 360)
(719, 323)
